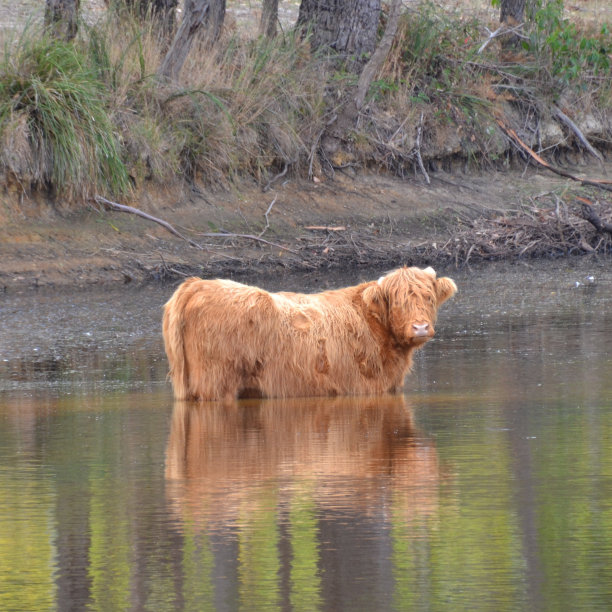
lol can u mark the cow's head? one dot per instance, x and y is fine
(406, 302)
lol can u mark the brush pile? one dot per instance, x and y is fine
(551, 228)
(530, 231)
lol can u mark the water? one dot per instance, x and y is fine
(486, 486)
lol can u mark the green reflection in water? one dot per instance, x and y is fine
(197, 568)
(27, 555)
(411, 542)
(573, 470)
(305, 577)
(258, 555)
(109, 552)
(466, 552)
(477, 561)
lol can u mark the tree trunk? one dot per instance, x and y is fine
(216, 19)
(511, 14)
(375, 63)
(348, 27)
(269, 17)
(195, 16)
(163, 12)
(335, 134)
(62, 17)
(198, 14)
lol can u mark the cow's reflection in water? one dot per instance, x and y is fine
(354, 454)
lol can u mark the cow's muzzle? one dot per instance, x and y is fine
(421, 331)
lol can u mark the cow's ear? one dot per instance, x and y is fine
(374, 300)
(445, 289)
(372, 294)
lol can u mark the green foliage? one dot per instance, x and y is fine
(430, 57)
(53, 105)
(571, 55)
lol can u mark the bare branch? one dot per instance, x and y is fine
(247, 237)
(418, 151)
(589, 214)
(326, 228)
(277, 176)
(135, 211)
(581, 137)
(263, 231)
(501, 31)
(602, 184)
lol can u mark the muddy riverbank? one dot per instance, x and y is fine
(351, 221)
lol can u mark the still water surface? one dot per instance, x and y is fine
(486, 486)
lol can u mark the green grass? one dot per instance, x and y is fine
(52, 103)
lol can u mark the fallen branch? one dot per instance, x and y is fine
(606, 185)
(581, 137)
(277, 176)
(589, 214)
(135, 211)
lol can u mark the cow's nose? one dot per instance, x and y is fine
(420, 329)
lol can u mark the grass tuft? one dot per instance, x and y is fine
(53, 105)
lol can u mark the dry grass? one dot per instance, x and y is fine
(256, 107)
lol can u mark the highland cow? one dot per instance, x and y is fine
(226, 340)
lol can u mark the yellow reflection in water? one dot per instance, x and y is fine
(27, 553)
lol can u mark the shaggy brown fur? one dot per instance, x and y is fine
(226, 340)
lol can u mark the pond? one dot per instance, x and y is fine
(487, 485)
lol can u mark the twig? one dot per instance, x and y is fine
(263, 231)
(277, 176)
(417, 147)
(390, 141)
(328, 228)
(148, 217)
(247, 237)
(581, 137)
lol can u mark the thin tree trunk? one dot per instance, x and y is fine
(196, 14)
(269, 18)
(336, 133)
(163, 13)
(216, 18)
(511, 14)
(62, 18)
(379, 56)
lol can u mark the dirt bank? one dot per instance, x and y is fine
(353, 220)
